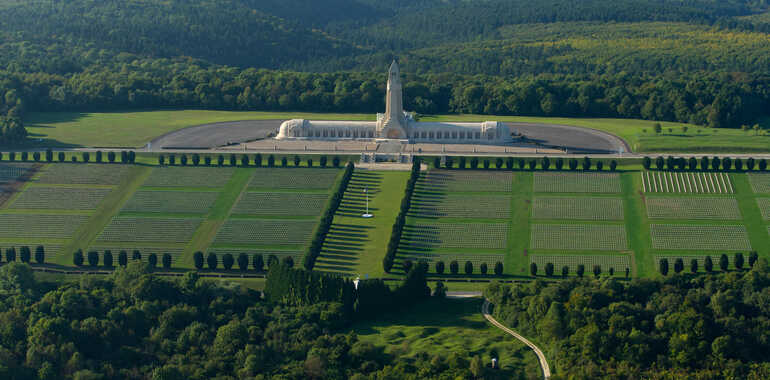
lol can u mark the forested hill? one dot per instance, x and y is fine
(291, 34)
(696, 61)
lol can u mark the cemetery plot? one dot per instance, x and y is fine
(145, 250)
(693, 208)
(265, 232)
(577, 183)
(695, 182)
(284, 204)
(171, 201)
(461, 258)
(11, 172)
(699, 237)
(31, 226)
(59, 198)
(461, 206)
(609, 237)
(577, 208)
(175, 176)
(294, 178)
(760, 182)
(764, 207)
(460, 235)
(83, 174)
(467, 180)
(137, 229)
(617, 262)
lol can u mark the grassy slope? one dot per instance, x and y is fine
(134, 129)
(446, 327)
(357, 245)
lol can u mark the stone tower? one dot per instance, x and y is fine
(393, 124)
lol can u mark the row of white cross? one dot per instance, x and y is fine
(667, 182)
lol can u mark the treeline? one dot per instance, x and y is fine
(684, 326)
(366, 298)
(11, 125)
(705, 163)
(511, 163)
(132, 324)
(717, 100)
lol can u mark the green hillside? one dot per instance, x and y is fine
(698, 62)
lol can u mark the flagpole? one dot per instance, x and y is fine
(367, 215)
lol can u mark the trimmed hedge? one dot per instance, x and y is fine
(314, 250)
(398, 226)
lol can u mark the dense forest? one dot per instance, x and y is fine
(135, 325)
(681, 327)
(695, 61)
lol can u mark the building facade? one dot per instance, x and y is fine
(395, 124)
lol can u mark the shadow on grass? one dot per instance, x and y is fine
(342, 247)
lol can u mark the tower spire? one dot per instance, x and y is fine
(393, 124)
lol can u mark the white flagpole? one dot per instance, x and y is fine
(367, 215)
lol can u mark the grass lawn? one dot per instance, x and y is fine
(640, 135)
(135, 129)
(445, 328)
(356, 245)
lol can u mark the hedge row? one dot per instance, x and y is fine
(398, 227)
(228, 261)
(708, 263)
(244, 160)
(454, 267)
(581, 268)
(510, 163)
(126, 156)
(314, 250)
(92, 258)
(25, 254)
(705, 163)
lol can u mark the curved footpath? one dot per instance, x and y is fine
(540, 356)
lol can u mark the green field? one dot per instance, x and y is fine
(477, 216)
(357, 245)
(449, 328)
(135, 129)
(639, 134)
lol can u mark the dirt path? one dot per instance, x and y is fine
(540, 356)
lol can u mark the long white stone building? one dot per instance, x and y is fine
(395, 124)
